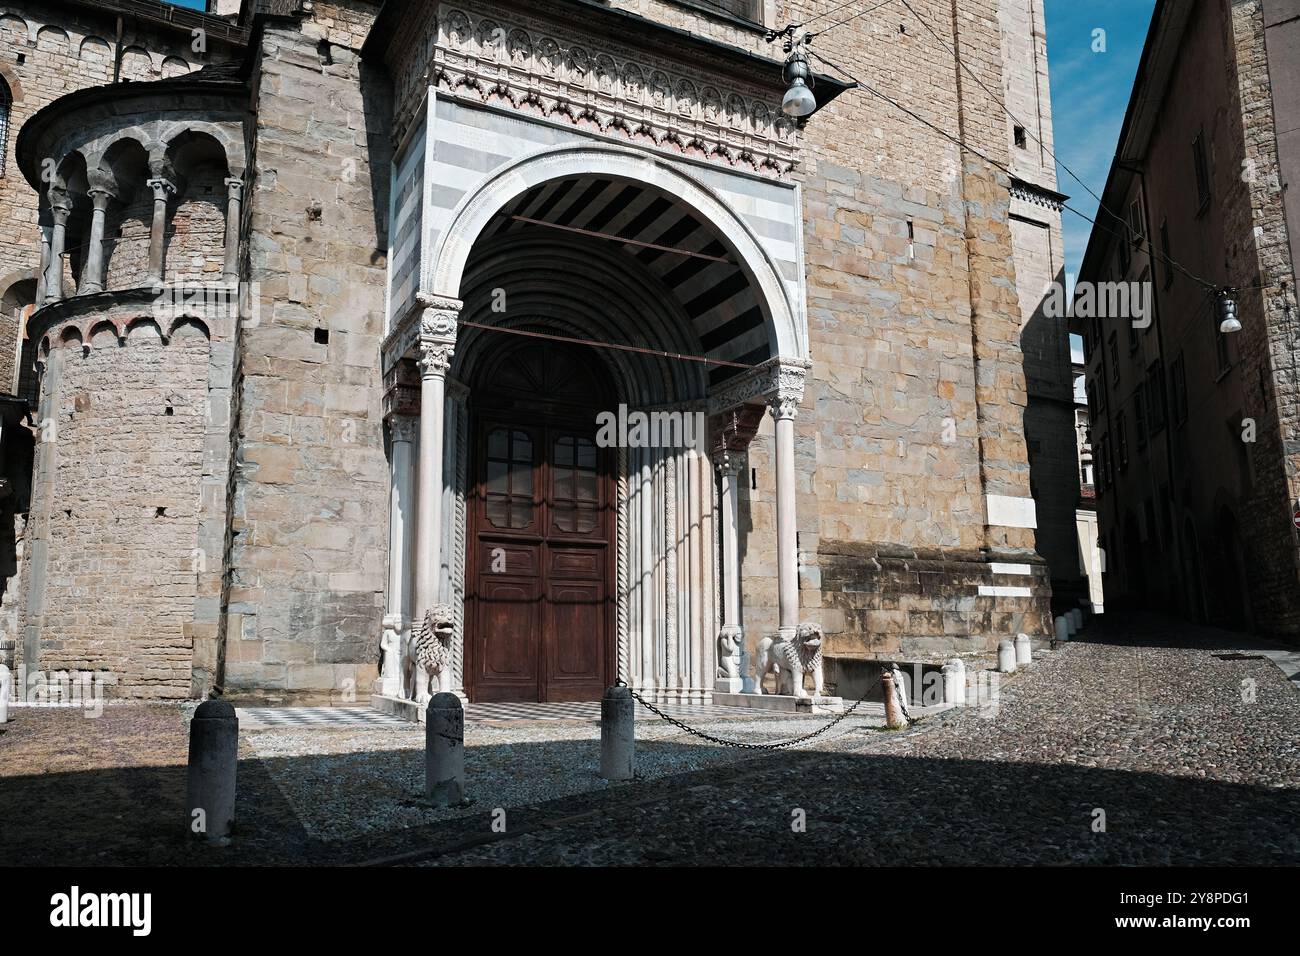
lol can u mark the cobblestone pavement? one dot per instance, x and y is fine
(1184, 756)
(1191, 758)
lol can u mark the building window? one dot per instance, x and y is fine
(1124, 256)
(1019, 133)
(1156, 396)
(1140, 419)
(6, 104)
(1179, 376)
(1114, 358)
(1164, 248)
(1202, 171)
(1121, 440)
(1136, 226)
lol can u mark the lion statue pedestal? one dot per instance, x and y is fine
(790, 658)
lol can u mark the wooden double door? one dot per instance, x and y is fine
(539, 608)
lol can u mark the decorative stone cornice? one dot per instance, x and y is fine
(777, 378)
(538, 63)
(1038, 195)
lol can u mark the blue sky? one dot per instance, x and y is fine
(1090, 92)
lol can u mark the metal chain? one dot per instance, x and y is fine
(744, 745)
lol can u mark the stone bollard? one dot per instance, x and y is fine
(618, 733)
(210, 781)
(1062, 629)
(444, 751)
(6, 692)
(954, 683)
(1024, 650)
(1006, 657)
(1076, 616)
(893, 719)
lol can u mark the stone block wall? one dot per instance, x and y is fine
(1261, 256)
(308, 558)
(116, 505)
(916, 404)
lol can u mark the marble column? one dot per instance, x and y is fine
(60, 209)
(163, 189)
(402, 429)
(41, 276)
(93, 271)
(784, 406)
(234, 199)
(437, 344)
(731, 636)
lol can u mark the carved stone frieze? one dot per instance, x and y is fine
(542, 65)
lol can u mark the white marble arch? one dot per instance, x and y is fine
(670, 602)
(444, 267)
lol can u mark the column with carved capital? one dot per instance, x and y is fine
(785, 404)
(437, 343)
(60, 209)
(234, 198)
(163, 189)
(93, 271)
(402, 430)
(731, 636)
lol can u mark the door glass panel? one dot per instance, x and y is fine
(508, 488)
(575, 490)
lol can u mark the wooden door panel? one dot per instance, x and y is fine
(507, 625)
(576, 563)
(575, 659)
(507, 559)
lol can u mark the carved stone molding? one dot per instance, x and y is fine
(402, 389)
(540, 65)
(438, 317)
(778, 377)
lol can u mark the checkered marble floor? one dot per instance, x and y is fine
(261, 718)
(254, 718)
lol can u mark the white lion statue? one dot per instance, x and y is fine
(791, 660)
(431, 651)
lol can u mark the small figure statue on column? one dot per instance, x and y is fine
(390, 647)
(728, 679)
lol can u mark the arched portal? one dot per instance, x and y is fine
(669, 311)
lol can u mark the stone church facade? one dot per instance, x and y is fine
(319, 333)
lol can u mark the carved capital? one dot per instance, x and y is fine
(784, 405)
(435, 357)
(439, 316)
(404, 428)
(234, 188)
(60, 206)
(162, 188)
(99, 198)
(729, 463)
(788, 379)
